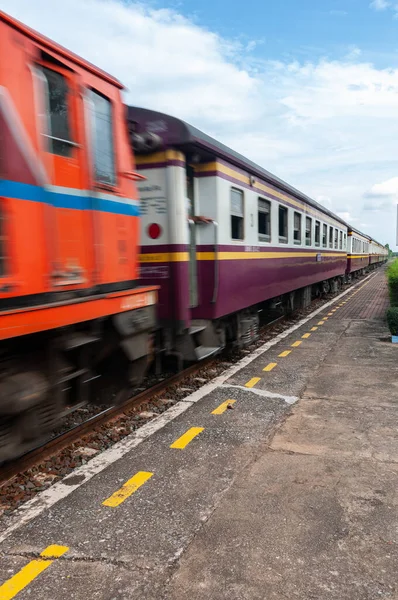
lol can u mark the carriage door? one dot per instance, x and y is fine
(58, 98)
(193, 275)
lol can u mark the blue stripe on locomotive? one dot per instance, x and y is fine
(34, 193)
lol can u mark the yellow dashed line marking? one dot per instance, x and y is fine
(252, 382)
(321, 323)
(285, 353)
(127, 489)
(330, 314)
(314, 328)
(187, 437)
(223, 407)
(296, 344)
(306, 335)
(270, 366)
(27, 574)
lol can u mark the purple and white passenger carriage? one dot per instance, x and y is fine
(223, 236)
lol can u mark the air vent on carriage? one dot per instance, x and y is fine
(145, 142)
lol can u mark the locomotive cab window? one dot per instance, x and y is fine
(324, 236)
(317, 233)
(264, 220)
(237, 215)
(297, 228)
(282, 224)
(308, 231)
(57, 112)
(102, 138)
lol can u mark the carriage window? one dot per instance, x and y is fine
(345, 241)
(336, 239)
(324, 235)
(330, 237)
(264, 220)
(102, 132)
(237, 215)
(308, 231)
(58, 113)
(317, 233)
(297, 228)
(282, 216)
(341, 240)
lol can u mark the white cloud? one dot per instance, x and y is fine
(325, 201)
(166, 61)
(353, 53)
(382, 197)
(385, 188)
(347, 217)
(380, 4)
(329, 128)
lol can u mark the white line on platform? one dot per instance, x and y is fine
(47, 498)
(263, 393)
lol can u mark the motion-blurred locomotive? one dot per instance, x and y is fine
(74, 323)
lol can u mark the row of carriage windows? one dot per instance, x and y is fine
(318, 236)
(59, 133)
(359, 246)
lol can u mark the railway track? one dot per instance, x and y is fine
(74, 434)
(54, 445)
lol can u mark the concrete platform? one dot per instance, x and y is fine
(289, 494)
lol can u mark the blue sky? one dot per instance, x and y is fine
(309, 29)
(306, 88)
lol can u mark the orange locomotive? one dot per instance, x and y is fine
(74, 325)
